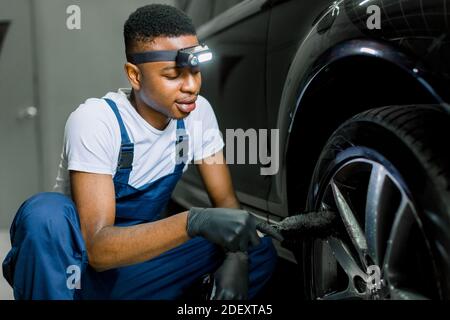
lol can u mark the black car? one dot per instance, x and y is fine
(359, 90)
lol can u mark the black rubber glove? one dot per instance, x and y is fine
(231, 279)
(232, 229)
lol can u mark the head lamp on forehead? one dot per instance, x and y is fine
(188, 57)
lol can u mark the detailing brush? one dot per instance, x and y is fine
(310, 225)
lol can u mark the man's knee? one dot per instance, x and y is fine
(264, 253)
(265, 246)
(43, 208)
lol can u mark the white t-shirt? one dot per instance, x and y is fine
(92, 140)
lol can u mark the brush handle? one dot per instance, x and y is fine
(270, 230)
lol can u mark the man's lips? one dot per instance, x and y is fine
(186, 106)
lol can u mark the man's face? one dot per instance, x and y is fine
(164, 87)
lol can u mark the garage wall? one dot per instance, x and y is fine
(19, 153)
(73, 65)
(45, 65)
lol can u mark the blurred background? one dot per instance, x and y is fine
(48, 67)
(46, 71)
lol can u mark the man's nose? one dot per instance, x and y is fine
(190, 83)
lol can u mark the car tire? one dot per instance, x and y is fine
(386, 172)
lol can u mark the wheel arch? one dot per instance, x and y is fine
(348, 73)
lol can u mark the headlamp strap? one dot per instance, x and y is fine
(152, 56)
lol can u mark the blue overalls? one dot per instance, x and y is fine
(48, 258)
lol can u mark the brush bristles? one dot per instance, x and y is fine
(320, 224)
(312, 225)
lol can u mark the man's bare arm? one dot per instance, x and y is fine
(109, 246)
(217, 180)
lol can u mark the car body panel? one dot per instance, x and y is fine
(337, 35)
(238, 69)
(303, 39)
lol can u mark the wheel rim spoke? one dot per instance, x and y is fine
(351, 224)
(378, 192)
(344, 257)
(349, 294)
(404, 218)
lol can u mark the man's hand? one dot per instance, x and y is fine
(232, 229)
(231, 279)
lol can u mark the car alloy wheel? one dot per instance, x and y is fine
(386, 173)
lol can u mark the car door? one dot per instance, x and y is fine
(234, 84)
(290, 22)
(19, 160)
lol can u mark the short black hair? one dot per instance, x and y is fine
(155, 20)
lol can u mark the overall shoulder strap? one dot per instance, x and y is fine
(126, 155)
(181, 146)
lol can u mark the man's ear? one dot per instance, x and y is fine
(134, 75)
